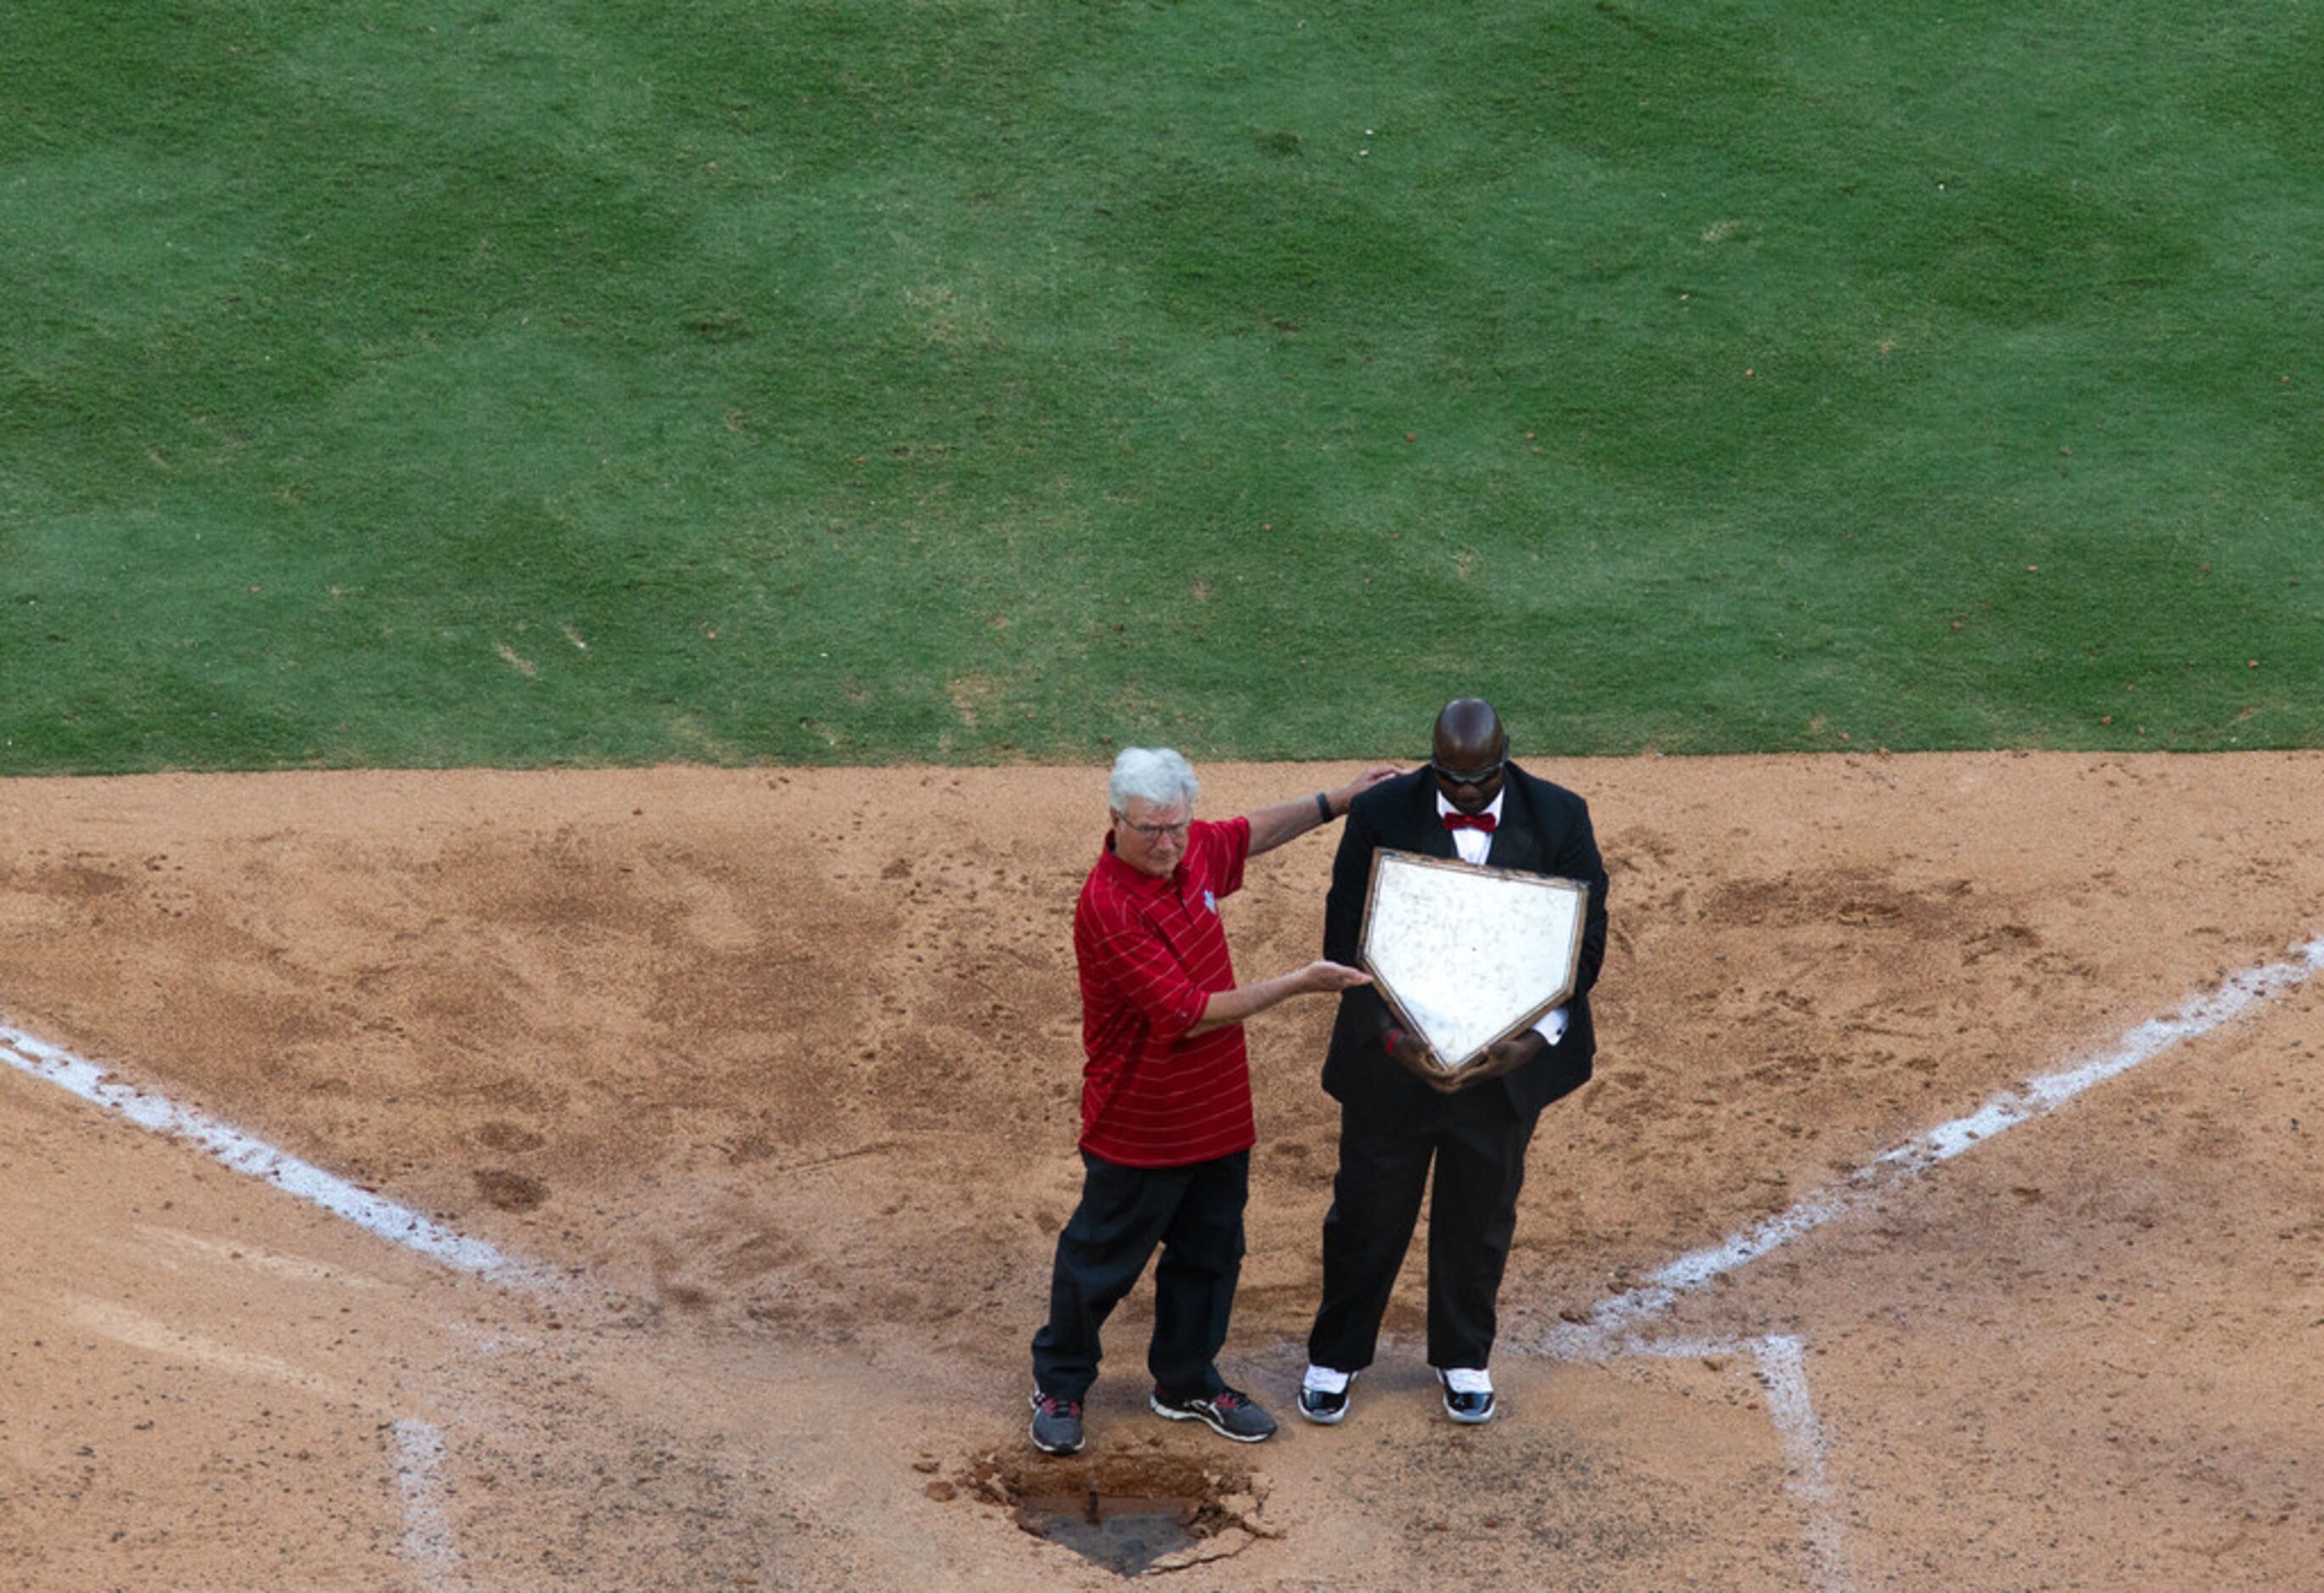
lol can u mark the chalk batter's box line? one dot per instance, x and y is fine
(1782, 1369)
(428, 1541)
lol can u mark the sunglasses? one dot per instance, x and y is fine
(1469, 776)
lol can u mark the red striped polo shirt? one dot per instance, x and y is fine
(1151, 952)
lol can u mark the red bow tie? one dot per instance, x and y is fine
(1471, 820)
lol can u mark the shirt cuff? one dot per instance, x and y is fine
(1552, 1027)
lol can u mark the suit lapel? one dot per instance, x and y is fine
(1514, 846)
(1435, 839)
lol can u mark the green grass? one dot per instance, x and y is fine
(422, 385)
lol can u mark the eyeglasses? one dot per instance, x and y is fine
(1470, 776)
(1177, 831)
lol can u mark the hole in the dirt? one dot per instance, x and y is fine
(1126, 1512)
(1124, 1532)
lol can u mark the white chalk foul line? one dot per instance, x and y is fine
(247, 1153)
(1612, 1319)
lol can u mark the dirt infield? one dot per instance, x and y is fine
(774, 1073)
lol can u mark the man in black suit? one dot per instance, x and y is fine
(1399, 1111)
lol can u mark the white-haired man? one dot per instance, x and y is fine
(1167, 1122)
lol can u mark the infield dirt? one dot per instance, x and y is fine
(775, 1071)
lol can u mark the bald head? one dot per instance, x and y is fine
(1469, 749)
(1469, 734)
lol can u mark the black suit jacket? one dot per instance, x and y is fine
(1544, 829)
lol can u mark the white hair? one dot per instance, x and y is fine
(1151, 774)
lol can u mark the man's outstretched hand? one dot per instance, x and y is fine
(1377, 772)
(1320, 978)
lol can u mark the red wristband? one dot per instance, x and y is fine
(1388, 1040)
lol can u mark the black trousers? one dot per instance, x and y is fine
(1476, 1141)
(1196, 1214)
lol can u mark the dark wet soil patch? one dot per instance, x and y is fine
(1131, 1513)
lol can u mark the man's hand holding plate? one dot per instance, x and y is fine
(1419, 1059)
(1501, 1057)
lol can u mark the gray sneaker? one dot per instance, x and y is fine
(1056, 1424)
(1230, 1412)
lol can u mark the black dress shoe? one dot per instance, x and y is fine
(1470, 1408)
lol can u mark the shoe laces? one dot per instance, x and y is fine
(1049, 1405)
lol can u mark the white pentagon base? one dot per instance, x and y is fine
(1468, 956)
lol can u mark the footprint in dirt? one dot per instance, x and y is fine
(510, 1192)
(507, 1136)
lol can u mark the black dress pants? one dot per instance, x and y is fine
(1476, 1141)
(1196, 1214)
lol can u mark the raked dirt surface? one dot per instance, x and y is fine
(772, 1075)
